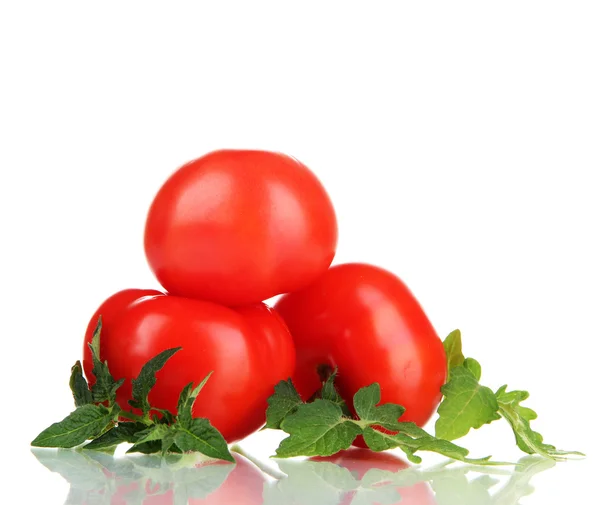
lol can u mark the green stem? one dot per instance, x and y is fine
(130, 416)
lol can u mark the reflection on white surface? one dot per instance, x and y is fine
(352, 478)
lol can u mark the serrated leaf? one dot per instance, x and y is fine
(453, 348)
(283, 402)
(201, 436)
(329, 392)
(145, 381)
(152, 447)
(473, 366)
(123, 432)
(168, 442)
(411, 439)
(317, 429)
(105, 387)
(466, 405)
(79, 386)
(187, 398)
(365, 403)
(85, 422)
(519, 418)
(152, 433)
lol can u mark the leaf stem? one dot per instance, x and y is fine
(130, 416)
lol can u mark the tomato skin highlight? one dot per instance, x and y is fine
(248, 351)
(238, 227)
(365, 321)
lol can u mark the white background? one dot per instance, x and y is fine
(459, 141)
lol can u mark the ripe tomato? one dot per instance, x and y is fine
(238, 227)
(364, 321)
(360, 461)
(249, 351)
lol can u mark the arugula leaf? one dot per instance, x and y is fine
(105, 387)
(146, 379)
(79, 386)
(519, 418)
(466, 405)
(123, 432)
(365, 404)
(201, 436)
(187, 398)
(85, 422)
(283, 402)
(453, 348)
(317, 429)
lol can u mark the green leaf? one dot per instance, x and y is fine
(283, 402)
(79, 386)
(201, 436)
(152, 447)
(519, 418)
(453, 348)
(410, 438)
(365, 404)
(146, 379)
(105, 387)
(473, 366)
(168, 441)
(123, 432)
(152, 433)
(187, 398)
(466, 405)
(317, 429)
(329, 392)
(85, 422)
(155, 438)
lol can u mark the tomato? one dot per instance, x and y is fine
(360, 461)
(364, 321)
(238, 227)
(249, 351)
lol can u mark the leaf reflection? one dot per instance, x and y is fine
(353, 477)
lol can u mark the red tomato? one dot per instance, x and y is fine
(238, 227)
(360, 461)
(249, 351)
(364, 321)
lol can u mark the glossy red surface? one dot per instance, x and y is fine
(238, 227)
(364, 321)
(248, 351)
